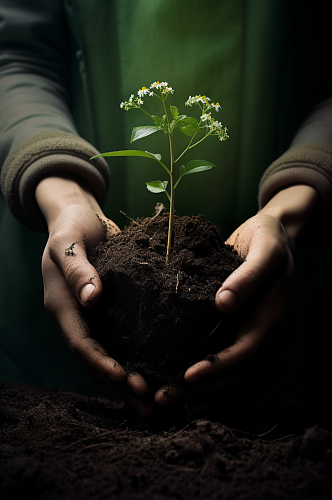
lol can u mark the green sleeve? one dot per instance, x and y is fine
(34, 72)
(307, 161)
(37, 131)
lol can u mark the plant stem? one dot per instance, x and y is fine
(146, 112)
(187, 148)
(190, 146)
(171, 206)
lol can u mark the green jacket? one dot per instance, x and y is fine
(65, 66)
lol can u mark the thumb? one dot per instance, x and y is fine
(246, 281)
(263, 242)
(65, 258)
(80, 275)
(238, 287)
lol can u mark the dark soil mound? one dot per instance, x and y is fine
(57, 445)
(158, 318)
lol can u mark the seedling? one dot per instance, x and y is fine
(197, 130)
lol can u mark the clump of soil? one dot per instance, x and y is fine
(158, 318)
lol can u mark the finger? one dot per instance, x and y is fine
(266, 257)
(238, 356)
(65, 311)
(200, 390)
(167, 395)
(228, 360)
(76, 280)
(76, 229)
(105, 369)
(88, 351)
(81, 277)
(137, 384)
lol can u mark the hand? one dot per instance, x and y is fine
(71, 282)
(262, 281)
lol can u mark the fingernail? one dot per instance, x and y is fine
(228, 299)
(87, 292)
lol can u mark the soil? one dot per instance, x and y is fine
(63, 445)
(157, 318)
(56, 444)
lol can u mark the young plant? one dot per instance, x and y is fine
(196, 130)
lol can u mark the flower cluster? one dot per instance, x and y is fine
(136, 102)
(162, 86)
(217, 129)
(204, 102)
(144, 91)
(206, 105)
(133, 102)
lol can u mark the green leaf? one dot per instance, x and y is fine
(158, 187)
(143, 131)
(158, 119)
(135, 152)
(188, 130)
(131, 152)
(190, 120)
(180, 118)
(189, 126)
(174, 111)
(194, 167)
(157, 156)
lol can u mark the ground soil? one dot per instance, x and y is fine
(158, 318)
(255, 445)
(62, 445)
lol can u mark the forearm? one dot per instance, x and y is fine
(295, 207)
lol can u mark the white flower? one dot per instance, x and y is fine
(154, 85)
(203, 101)
(133, 102)
(143, 91)
(206, 117)
(217, 129)
(162, 86)
(197, 99)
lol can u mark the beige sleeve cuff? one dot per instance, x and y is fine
(44, 154)
(309, 163)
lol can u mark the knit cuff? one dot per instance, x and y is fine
(309, 163)
(42, 155)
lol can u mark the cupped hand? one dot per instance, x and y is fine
(262, 281)
(71, 283)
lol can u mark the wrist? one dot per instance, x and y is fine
(55, 193)
(295, 208)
